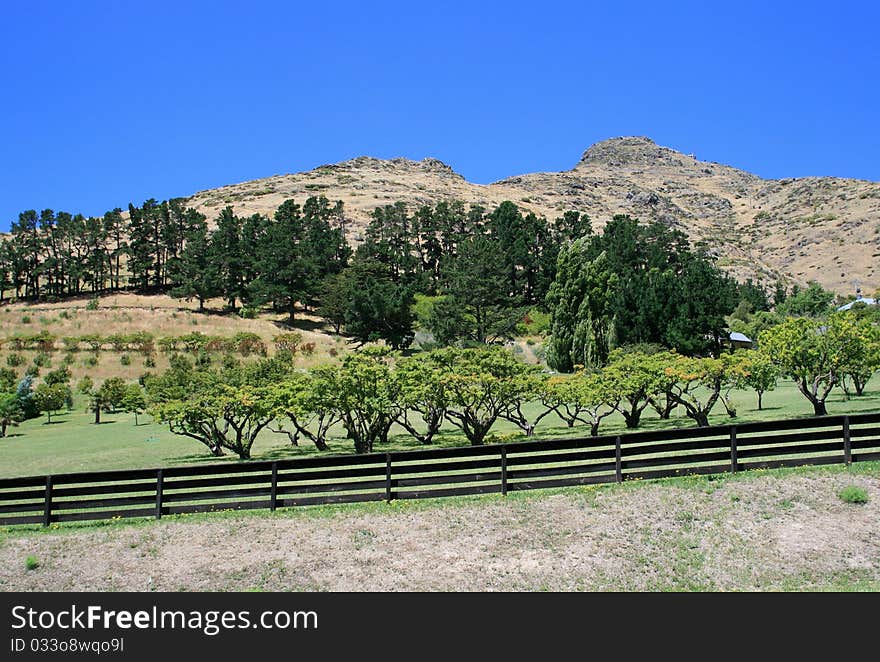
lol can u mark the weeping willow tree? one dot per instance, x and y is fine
(582, 323)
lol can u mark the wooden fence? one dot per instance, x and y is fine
(438, 472)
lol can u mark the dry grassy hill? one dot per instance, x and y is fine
(817, 228)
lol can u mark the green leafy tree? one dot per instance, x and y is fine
(698, 385)
(582, 397)
(306, 401)
(11, 413)
(50, 398)
(530, 386)
(864, 359)
(582, 325)
(815, 353)
(422, 391)
(479, 306)
(224, 418)
(634, 378)
(812, 301)
(134, 401)
(363, 393)
(480, 385)
(762, 374)
(378, 308)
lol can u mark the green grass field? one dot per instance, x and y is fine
(73, 443)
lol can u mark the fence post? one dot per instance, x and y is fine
(618, 465)
(504, 471)
(273, 490)
(847, 444)
(733, 462)
(388, 477)
(47, 508)
(160, 486)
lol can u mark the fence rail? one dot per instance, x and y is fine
(440, 472)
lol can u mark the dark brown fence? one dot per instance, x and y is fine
(438, 472)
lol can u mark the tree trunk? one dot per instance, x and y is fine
(594, 429)
(760, 398)
(859, 384)
(632, 418)
(819, 408)
(701, 418)
(3, 429)
(97, 415)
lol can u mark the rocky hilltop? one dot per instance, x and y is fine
(817, 228)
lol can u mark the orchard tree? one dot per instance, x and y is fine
(698, 384)
(530, 388)
(225, 418)
(363, 394)
(422, 388)
(306, 401)
(480, 385)
(634, 378)
(134, 401)
(50, 398)
(816, 353)
(582, 397)
(864, 361)
(761, 374)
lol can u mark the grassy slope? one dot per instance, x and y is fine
(73, 443)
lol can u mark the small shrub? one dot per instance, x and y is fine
(530, 341)
(92, 304)
(853, 494)
(150, 361)
(247, 313)
(68, 359)
(63, 315)
(125, 359)
(26, 319)
(31, 562)
(91, 361)
(32, 371)
(203, 359)
(42, 360)
(14, 360)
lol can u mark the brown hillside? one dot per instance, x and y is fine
(817, 228)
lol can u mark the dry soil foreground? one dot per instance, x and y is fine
(765, 531)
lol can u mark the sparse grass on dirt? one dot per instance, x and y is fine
(779, 530)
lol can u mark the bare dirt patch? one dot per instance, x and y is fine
(750, 533)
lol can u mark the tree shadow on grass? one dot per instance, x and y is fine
(300, 325)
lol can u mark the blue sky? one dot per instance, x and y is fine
(102, 103)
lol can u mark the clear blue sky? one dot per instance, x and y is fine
(102, 103)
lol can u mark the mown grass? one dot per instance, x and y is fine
(72, 442)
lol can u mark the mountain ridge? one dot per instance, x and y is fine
(796, 229)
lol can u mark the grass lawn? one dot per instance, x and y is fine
(73, 443)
